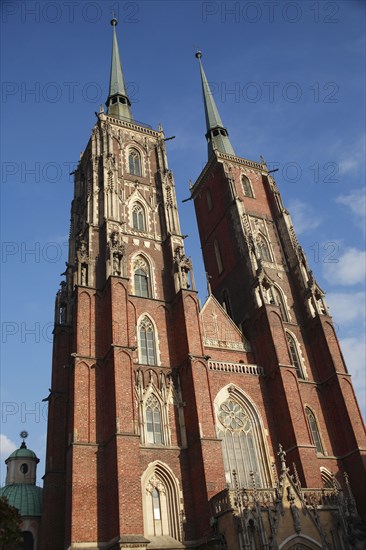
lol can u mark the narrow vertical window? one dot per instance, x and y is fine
(138, 217)
(315, 435)
(220, 266)
(294, 353)
(134, 162)
(226, 302)
(209, 200)
(156, 504)
(263, 250)
(141, 278)
(247, 188)
(278, 300)
(147, 342)
(153, 421)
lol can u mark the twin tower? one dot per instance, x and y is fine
(234, 425)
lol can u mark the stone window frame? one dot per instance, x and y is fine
(265, 240)
(236, 394)
(301, 371)
(135, 205)
(321, 450)
(142, 319)
(285, 313)
(142, 261)
(247, 187)
(159, 476)
(133, 150)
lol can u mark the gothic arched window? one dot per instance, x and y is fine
(138, 217)
(141, 278)
(147, 349)
(156, 507)
(220, 265)
(134, 162)
(247, 188)
(279, 301)
(239, 431)
(328, 479)
(161, 502)
(294, 353)
(209, 200)
(226, 304)
(315, 434)
(153, 421)
(263, 249)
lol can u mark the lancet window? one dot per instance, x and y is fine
(294, 353)
(247, 188)
(134, 162)
(138, 217)
(314, 429)
(147, 345)
(239, 429)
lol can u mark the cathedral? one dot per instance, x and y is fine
(229, 426)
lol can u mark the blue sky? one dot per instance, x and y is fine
(289, 82)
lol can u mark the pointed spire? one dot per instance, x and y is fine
(118, 102)
(217, 136)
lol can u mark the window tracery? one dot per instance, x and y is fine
(147, 347)
(134, 162)
(138, 217)
(141, 278)
(263, 249)
(154, 429)
(161, 502)
(242, 443)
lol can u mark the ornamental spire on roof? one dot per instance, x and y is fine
(118, 102)
(217, 136)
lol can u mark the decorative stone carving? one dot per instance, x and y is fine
(116, 251)
(61, 304)
(155, 483)
(82, 258)
(183, 268)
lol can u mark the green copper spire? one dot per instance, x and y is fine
(118, 103)
(217, 135)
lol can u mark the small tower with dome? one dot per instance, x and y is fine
(21, 491)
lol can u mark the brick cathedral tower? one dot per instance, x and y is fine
(164, 419)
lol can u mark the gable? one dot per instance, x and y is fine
(219, 331)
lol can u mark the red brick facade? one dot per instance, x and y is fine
(130, 336)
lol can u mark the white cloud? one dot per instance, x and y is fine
(354, 351)
(349, 270)
(347, 307)
(303, 217)
(7, 446)
(356, 202)
(353, 160)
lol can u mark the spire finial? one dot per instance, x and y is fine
(118, 102)
(114, 20)
(217, 135)
(23, 435)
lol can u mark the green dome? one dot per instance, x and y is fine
(23, 452)
(25, 497)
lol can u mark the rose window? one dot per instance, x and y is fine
(233, 417)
